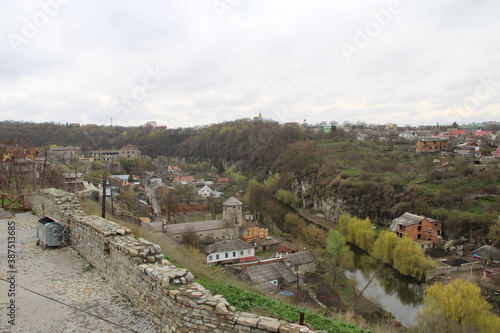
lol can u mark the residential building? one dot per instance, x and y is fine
(184, 180)
(283, 251)
(273, 275)
(207, 192)
(423, 230)
(432, 144)
(234, 250)
(487, 253)
(300, 262)
(173, 169)
(468, 150)
(18, 152)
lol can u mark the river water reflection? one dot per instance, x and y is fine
(398, 294)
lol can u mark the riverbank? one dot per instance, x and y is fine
(395, 294)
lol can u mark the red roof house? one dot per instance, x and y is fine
(482, 133)
(496, 153)
(184, 179)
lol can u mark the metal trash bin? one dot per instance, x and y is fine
(49, 232)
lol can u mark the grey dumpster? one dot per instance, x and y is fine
(49, 232)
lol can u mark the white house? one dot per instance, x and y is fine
(230, 250)
(206, 192)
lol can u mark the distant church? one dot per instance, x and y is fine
(216, 230)
(257, 118)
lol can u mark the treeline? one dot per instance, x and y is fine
(252, 146)
(149, 141)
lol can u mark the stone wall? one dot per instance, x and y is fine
(166, 294)
(448, 270)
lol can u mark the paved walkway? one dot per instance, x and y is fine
(56, 290)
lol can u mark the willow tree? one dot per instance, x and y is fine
(361, 233)
(409, 258)
(456, 307)
(344, 224)
(383, 248)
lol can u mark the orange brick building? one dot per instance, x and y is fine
(423, 230)
(432, 144)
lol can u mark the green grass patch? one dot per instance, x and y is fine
(266, 254)
(245, 300)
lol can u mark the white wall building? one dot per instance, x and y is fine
(230, 250)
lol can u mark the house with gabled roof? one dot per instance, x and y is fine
(234, 250)
(272, 274)
(207, 192)
(172, 168)
(486, 253)
(283, 251)
(184, 180)
(300, 262)
(456, 133)
(423, 230)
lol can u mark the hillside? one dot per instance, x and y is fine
(329, 173)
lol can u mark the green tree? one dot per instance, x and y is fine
(494, 234)
(383, 248)
(272, 183)
(336, 245)
(339, 256)
(361, 233)
(409, 258)
(344, 224)
(456, 308)
(294, 224)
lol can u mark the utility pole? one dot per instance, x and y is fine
(104, 196)
(44, 165)
(111, 198)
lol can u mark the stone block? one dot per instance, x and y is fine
(250, 321)
(220, 308)
(269, 324)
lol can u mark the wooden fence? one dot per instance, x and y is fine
(15, 201)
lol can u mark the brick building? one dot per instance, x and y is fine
(432, 144)
(423, 230)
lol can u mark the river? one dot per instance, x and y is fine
(398, 294)
(395, 293)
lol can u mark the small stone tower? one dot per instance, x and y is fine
(233, 211)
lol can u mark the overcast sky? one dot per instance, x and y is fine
(187, 63)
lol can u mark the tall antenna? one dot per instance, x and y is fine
(111, 122)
